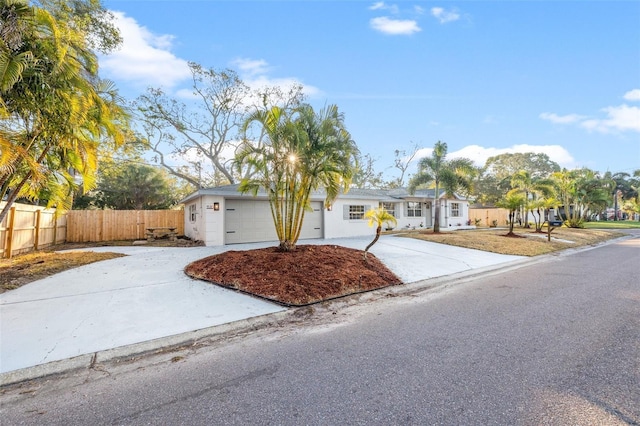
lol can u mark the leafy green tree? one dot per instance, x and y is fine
(450, 175)
(302, 151)
(55, 114)
(89, 17)
(378, 217)
(495, 178)
(137, 187)
(635, 184)
(536, 164)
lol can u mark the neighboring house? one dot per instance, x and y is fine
(222, 215)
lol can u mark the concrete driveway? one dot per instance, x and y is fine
(146, 296)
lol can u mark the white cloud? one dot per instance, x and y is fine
(444, 16)
(144, 58)
(561, 119)
(394, 26)
(480, 154)
(383, 6)
(632, 95)
(619, 119)
(251, 67)
(254, 72)
(283, 83)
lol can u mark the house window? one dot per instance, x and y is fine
(455, 209)
(414, 209)
(389, 208)
(192, 212)
(356, 212)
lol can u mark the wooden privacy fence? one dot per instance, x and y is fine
(488, 215)
(28, 228)
(110, 225)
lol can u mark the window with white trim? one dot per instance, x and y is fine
(192, 212)
(414, 209)
(455, 209)
(389, 208)
(356, 212)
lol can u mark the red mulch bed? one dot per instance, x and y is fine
(310, 274)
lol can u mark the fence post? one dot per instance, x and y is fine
(55, 228)
(37, 236)
(12, 214)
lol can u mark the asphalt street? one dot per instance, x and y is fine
(145, 300)
(554, 342)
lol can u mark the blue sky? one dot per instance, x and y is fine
(486, 77)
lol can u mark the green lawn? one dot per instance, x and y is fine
(610, 224)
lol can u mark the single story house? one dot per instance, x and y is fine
(222, 215)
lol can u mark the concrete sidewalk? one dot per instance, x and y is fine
(146, 296)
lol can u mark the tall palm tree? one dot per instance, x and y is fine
(56, 116)
(302, 151)
(15, 19)
(450, 175)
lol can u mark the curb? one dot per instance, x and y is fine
(191, 338)
(135, 350)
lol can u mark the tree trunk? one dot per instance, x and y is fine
(287, 246)
(512, 216)
(378, 230)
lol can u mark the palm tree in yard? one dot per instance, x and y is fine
(304, 150)
(512, 201)
(532, 188)
(450, 175)
(377, 217)
(55, 114)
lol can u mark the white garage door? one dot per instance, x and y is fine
(249, 221)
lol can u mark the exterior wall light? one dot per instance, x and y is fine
(216, 206)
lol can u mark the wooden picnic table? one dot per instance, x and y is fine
(161, 231)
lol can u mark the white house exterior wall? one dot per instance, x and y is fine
(194, 229)
(424, 221)
(337, 226)
(214, 220)
(449, 221)
(209, 224)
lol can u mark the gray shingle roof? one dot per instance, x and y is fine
(386, 195)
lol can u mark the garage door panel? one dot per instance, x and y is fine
(248, 221)
(312, 224)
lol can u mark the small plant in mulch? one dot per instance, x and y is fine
(309, 274)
